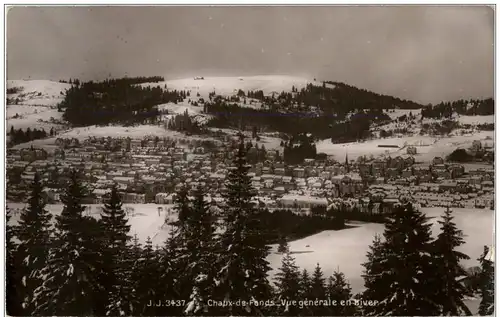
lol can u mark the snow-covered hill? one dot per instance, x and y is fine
(227, 86)
(427, 147)
(34, 104)
(38, 92)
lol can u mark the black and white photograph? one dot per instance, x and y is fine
(249, 160)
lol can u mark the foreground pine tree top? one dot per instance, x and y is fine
(450, 290)
(34, 234)
(400, 272)
(244, 268)
(68, 279)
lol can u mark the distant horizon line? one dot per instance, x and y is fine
(170, 78)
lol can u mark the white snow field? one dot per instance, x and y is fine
(135, 132)
(144, 219)
(37, 103)
(138, 132)
(38, 100)
(346, 249)
(343, 249)
(227, 86)
(474, 120)
(427, 147)
(396, 113)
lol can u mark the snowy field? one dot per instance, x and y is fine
(34, 117)
(135, 132)
(427, 147)
(43, 92)
(39, 98)
(346, 249)
(343, 249)
(474, 120)
(396, 113)
(227, 86)
(37, 103)
(144, 220)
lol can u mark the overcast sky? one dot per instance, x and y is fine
(426, 54)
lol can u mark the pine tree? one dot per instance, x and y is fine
(123, 301)
(13, 298)
(243, 250)
(28, 135)
(318, 291)
(115, 235)
(168, 278)
(200, 247)
(487, 287)
(372, 275)
(306, 292)
(406, 267)
(12, 132)
(69, 280)
(318, 283)
(339, 290)
(283, 245)
(33, 232)
(305, 284)
(448, 270)
(182, 207)
(94, 255)
(288, 284)
(182, 235)
(146, 288)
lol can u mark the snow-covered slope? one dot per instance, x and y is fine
(427, 147)
(34, 104)
(38, 92)
(473, 120)
(36, 107)
(227, 86)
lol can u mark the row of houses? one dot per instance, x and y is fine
(147, 174)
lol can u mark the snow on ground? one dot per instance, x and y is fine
(343, 249)
(195, 112)
(34, 117)
(427, 147)
(271, 141)
(346, 249)
(227, 86)
(474, 120)
(36, 104)
(396, 113)
(144, 220)
(21, 110)
(43, 92)
(181, 108)
(135, 132)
